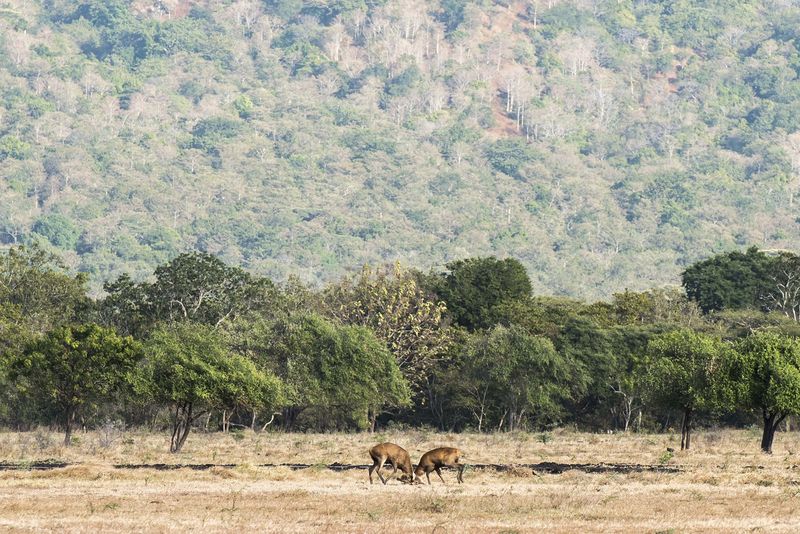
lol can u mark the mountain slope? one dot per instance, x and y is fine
(604, 144)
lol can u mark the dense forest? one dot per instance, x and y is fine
(606, 144)
(205, 345)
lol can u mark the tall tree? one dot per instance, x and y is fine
(200, 287)
(683, 374)
(475, 288)
(729, 281)
(74, 367)
(767, 372)
(343, 370)
(193, 286)
(190, 369)
(509, 377)
(390, 302)
(35, 283)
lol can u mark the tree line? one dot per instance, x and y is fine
(203, 344)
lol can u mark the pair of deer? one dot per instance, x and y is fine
(398, 458)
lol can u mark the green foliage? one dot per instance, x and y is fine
(327, 366)
(510, 156)
(378, 346)
(391, 304)
(189, 367)
(404, 82)
(684, 369)
(58, 230)
(244, 107)
(75, 367)
(452, 13)
(686, 373)
(767, 379)
(14, 147)
(210, 134)
(201, 287)
(508, 378)
(665, 457)
(35, 287)
(474, 289)
(730, 280)
(186, 363)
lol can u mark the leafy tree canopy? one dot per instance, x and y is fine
(475, 288)
(730, 280)
(72, 368)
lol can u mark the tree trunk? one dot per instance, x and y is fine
(154, 420)
(627, 412)
(69, 419)
(686, 429)
(181, 426)
(434, 404)
(289, 417)
(502, 421)
(771, 422)
(271, 419)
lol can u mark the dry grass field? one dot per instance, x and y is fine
(725, 485)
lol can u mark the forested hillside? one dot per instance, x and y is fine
(605, 144)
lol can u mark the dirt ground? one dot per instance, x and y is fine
(723, 485)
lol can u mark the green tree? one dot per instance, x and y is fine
(684, 373)
(767, 372)
(194, 286)
(59, 230)
(35, 284)
(511, 377)
(345, 371)
(125, 306)
(209, 134)
(189, 368)
(511, 156)
(200, 287)
(243, 106)
(390, 302)
(13, 147)
(730, 280)
(474, 289)
(655, 306)
(75, 367)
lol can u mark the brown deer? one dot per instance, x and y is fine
(396, 456)
(436, 459)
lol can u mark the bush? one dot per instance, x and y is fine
(58, 230)
(13, 147)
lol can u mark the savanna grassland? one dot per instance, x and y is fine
(724, 484)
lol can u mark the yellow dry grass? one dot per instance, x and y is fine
(726, 485)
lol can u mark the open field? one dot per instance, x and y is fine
(724, 485)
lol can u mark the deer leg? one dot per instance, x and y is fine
(371, 469)
(439, 472)
(394, 471)
(380, 466)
